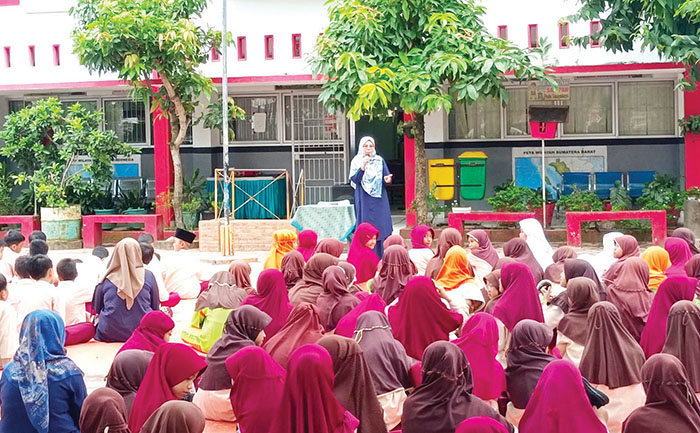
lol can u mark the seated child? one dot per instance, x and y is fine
(181, 272)
(74, 296)
(5, 268)
(37, 234)
(41, 294)
(14, 241)
(8, 326)
(37, 246)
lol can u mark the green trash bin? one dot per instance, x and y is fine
(472, 175)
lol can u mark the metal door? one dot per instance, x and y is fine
(318, 145)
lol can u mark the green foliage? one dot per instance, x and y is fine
(7, 205)
(511, 198)
(132, 199)
(45, 141)
(212, 117)
(619, 197)
(379, 55)
(195, 187)
(662, 193)
(192, 206)
(693, 192)
(435, 206)
(669, 26)
(690, 124)
(581, 201)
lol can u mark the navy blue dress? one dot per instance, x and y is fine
(65, 401)
(116, 323)
(373, 210)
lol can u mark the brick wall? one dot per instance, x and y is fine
(248, 235)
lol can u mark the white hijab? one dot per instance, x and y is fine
(537, 241)
(602, 261)
(372, 179)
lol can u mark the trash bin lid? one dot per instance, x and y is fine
(473, 155)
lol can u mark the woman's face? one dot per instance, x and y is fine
(167, 336)
(259, 339)
(492, 290)
(372, 242)
(473, 243)
(368, 148)
(183, 388)
(428, 239)
(618, 250)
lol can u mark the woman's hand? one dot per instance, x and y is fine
(387, 178)
(365, 161)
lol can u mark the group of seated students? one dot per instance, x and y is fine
(420, 340)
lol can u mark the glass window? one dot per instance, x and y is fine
(590, 110)
(563, 35)
(312, 122)
(90, 105)
(18, 105)
(479, 120)
(127, 118)
(260, 123)
(646, 108)
(516, 113)
(532, 36)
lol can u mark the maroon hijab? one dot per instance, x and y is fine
(631, 295)
(335, 301)
(240, 269)
(486, 251)
(517, 249)
(310, 286)
(347, 324)
(307, 243)
(418, 236)
(693, 270)
(303, 327)
(580, 268)
(395, 270)
(330, 246)
(559, 403)
(611, 356)
(392, 240)
(420, 317)
(630, 248)
(364, 259)
(520, 299)
(553, 271)
(683, 338)
(679, 253)
(221, 292)
(258, 382)
(671, 290)
(271, 298)
(671, 405)
(449, 237)
(308, 404)
(479, 342)
(688, 236)
(292, 268)
(103, 410)
(150, 332)
(582, 293)
(126, 374)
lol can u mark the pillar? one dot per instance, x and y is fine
(692, 141)
(162, 163)
(409, 167)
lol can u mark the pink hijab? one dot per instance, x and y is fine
(258, 381)
(479, 341)
(418, 236)
(271, 298)
(486, 251)
(630, 248)
(150, 332)
(679, 253)
(346, 325)
(364, 259)
(520, 299)
(480, 424)
(672, 290)
(559, 403)
(420, 318)
(307, 243)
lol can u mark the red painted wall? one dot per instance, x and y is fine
(162, 163)
(409, 169)
(692, 141)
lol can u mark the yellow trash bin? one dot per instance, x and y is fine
(441, 173)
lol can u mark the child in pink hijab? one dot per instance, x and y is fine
(361, 254)
(307, 243)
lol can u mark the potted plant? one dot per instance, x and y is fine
(581, 201)
(58, 150)
(663, 193)
(208, 208)
(194, 196)
(103, 204)
(435, 207)
(190, 213)
(133, 202)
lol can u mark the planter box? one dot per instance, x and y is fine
(61, 223)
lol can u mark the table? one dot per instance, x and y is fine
(574, 220)
(29, 223)
(328, 221)
(455, 220)
(92, 226)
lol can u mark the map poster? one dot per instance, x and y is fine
(558, 160)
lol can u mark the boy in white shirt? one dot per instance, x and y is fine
(14, 241)
(72, 295)
(181, 271)
(8, 326)
(20, 283)
(42, 295)
(153, 264)
(5, 268)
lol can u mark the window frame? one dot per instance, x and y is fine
(278, 113)
(32, 55)
(7, 52)
(562, 44)
(501, 119)
(56, 49)
(677, 106)
(269, 47)
(242, 48)
(296, 45)
(530, 41)
(613, 107)
(600, 28)
(147, 111)
(502, 29)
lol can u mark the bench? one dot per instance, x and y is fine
(456, 220)
(574, 220)
(92, 226)
(29, 223)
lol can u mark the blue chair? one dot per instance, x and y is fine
(637, 180)
(604, 180)
(571, 180)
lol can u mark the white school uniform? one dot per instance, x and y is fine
(40, 295)
(74, 297)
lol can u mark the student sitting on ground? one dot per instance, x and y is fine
(181, 272)
(75, 298)
(37, 246)
(5, 268)
(148, 255)
(15, 242)
(8, 326)
(20, 283)
(41, 294)
(37, 234)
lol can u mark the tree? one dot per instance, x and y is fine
(416, 55)
(133, 38)
(669, 26)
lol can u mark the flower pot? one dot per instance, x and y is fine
(61, 223)
(137, 211)
(191, 220)
(607, 207)
(207, 215)
(106, 226)
(550, 213)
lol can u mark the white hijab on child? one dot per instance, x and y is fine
(602, 261)
(537, 241)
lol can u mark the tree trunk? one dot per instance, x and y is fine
(421, 170)
(177, 188)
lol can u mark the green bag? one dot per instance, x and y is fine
(212, 327)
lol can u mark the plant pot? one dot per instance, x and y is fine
(191, 220)
(61, 223)
(550, 213)
(137, 211)
(207, 215)
(607, 207)
(106, 226)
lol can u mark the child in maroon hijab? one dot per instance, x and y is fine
(361, 254)
(303, 327)
(679, 253)
(155, 329)
(518, 250)
(271, 298)
(421, 253)
(307, 243)
(630, 293)
(626, 246)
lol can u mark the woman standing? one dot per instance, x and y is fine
(369, 171)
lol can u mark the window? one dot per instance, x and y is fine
(296, 46)
(532, 36)
(596, 27)
(646, 108)
(91, 105)
(15, 106)
(7, 57)
(57, 55)
(127, 118)
(516, 113)
(215, 55)
(312, 121)
(32, 56)
(479, 120)
(260, 123)
(242, 48)
(503, 32)
(590, 110)
(564, 35)
(269, 47)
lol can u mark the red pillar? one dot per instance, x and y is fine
(409, 169)
(692, 141)
(162, 163)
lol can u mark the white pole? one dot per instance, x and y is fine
(224, 118)
(544, 190)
